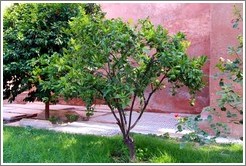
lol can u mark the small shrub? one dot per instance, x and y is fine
(54, 119)
(163, 136)
(72, 117)
(142, 154)
(89, 111)
(166, 135)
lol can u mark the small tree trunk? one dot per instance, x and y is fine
(47, 110)
(130, 144)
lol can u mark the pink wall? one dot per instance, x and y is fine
(194, 21)
(222, 35)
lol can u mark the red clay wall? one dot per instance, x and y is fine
(222, 35)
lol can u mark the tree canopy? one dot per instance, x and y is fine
(121, 62)
(33, 33)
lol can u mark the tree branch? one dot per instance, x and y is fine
(111, 108)
(151, 87)
(237, 55)
(100, 73)
(234, 107)
(146, 102)
(122, 118)
(130, 116)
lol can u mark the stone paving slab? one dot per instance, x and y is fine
(12, 116)
(40, 124)
(33, 106)
(73, 128)
(96, 114)
(13, 112)
(22, 111)
(148, 119)
(150, 123)
(15, 117)
(67, 107)
(15, 124)
(102, 108)
(88, 128)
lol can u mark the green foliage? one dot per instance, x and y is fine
(42, 146)
(142, 154)
(118, 61)
(119, 154)
(196, 134)
(166, 135)
(238, 16)
(115, 61)
(33, 33)
(72, 117)
(89, 111)
(54, 119)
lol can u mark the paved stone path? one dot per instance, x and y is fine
(101, 123)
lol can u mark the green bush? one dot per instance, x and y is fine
(54, 119)
(72, 117)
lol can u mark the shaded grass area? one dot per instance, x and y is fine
(27, 145)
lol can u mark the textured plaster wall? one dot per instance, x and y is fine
(222, 35)
(194, 21)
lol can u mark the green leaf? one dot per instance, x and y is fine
(39, 34)
(235, 25)
(221, 83)
(210, 118)
(179, 127)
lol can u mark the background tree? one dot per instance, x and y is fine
(33, 32)
(125, 64)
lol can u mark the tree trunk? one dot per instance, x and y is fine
(47, 110)
(130, 144)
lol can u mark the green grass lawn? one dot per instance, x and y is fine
(25, 145)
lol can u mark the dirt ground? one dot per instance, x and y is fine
(61, 115)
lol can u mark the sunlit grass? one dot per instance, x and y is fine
(25, 145)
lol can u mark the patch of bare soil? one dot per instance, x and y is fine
(60, 115)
